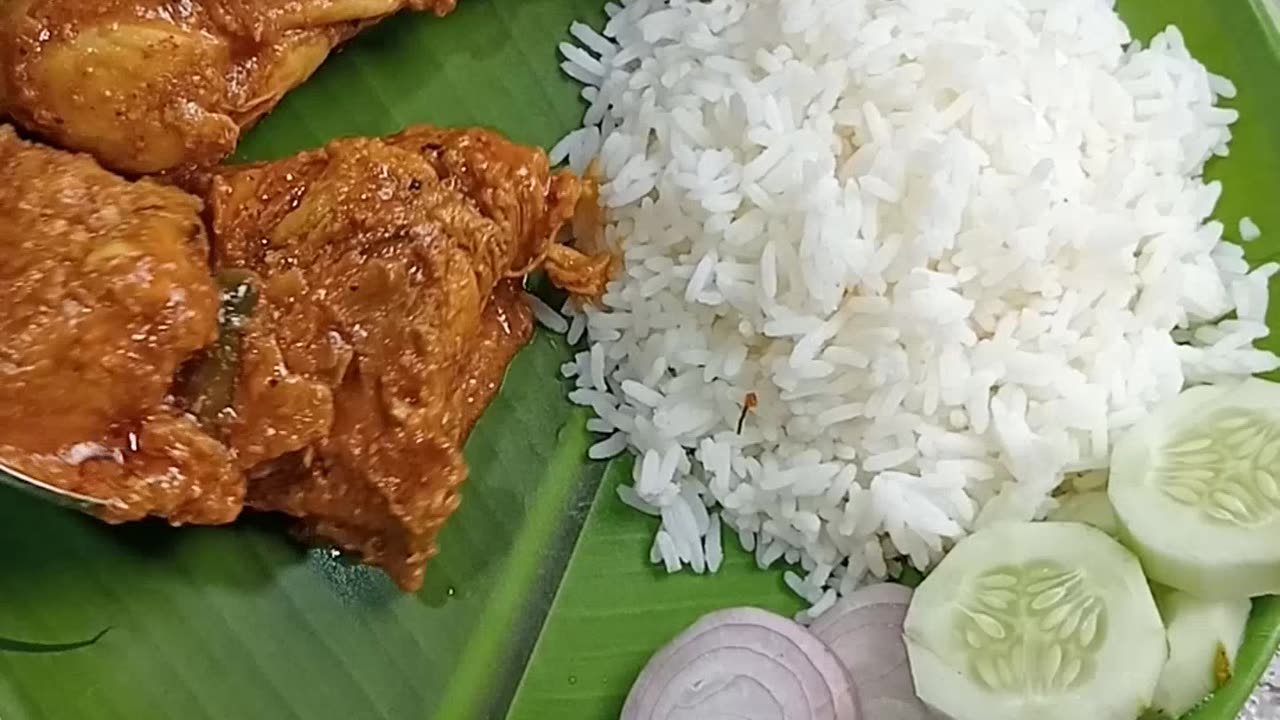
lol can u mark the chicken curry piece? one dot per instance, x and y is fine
(149, 86)
(390, 307)
(107, 292)
(323, 349)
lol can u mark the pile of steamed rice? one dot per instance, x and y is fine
(951, 249)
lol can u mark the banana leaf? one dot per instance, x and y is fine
(241, 623)
(614, 608)
(542, 603)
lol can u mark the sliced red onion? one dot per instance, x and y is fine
(744, 664)
(864, 630)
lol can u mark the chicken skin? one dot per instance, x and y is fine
(390, 307)
(107, 292)
(149, 86)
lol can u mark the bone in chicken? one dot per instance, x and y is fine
(371, 300)
(149, 86)
(390, 308)
(106, 292)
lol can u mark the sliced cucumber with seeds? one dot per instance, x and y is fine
(1196, 487)
(1052, 621)
(1204, 637)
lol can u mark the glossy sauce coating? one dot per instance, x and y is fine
(367, 304)
(389, 309)
(106, 292)
(149, 86)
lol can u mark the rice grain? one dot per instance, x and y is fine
(951, 249)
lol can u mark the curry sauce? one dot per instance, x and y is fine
(385, 283)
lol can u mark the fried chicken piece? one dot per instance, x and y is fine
(106, 290)
(150, 86)
(390, 308)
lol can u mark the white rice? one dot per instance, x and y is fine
(950, 248)
(1249, 230)
(546, 315)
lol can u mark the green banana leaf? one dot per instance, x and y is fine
(542, 604)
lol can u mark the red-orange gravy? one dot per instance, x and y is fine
(391, 307)
(106, 291)
(388, 282)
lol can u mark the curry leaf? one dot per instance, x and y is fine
(241, 623)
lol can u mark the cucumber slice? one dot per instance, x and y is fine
(1196, 487)
(1204, 637)
(1091, 508)
(1052, 621)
